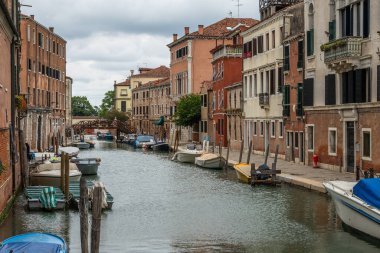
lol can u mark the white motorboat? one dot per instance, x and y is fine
(82, 145)
(210, 161)
(49, 174)
(358, 204)
(187, 155)
(87, 166)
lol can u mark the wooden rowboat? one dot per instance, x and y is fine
(243, 172)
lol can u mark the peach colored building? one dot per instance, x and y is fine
(190, 62)
(42, 81)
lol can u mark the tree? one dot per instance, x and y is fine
(188, 110)
(107, 103)
(80, 106)
(113, 113)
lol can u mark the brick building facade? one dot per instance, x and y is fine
(42, 82)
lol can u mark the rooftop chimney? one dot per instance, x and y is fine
(187, 30)
(32, 17)
(132, 71)
(114, 82)
(175, 36)
(200, 29)
(51, 29)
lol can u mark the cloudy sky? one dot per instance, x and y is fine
(106, 39)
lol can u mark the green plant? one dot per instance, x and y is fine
(333, 45)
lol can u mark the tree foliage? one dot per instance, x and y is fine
(80, 106)
(113, 113)
(107, 103)
(188, 110)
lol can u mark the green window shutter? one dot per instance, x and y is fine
(287, 62)
(310, 42)
(332, 30)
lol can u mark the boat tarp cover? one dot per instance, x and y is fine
(31, 247)
(47, 198)
(160, 122)
(368, 190)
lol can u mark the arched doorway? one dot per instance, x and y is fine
(39, 134)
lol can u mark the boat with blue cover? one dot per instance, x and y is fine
(34, 242)
(358, 204)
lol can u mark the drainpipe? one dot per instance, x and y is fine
(13, 110)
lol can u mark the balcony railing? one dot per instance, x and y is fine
(227, 51)
(342, 49)
(264, 99)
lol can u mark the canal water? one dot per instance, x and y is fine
(162, 206)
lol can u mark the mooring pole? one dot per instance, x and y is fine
(96, 218)
(241, 151)
(83, 210)
(63, 171)
(67, 177)
(249, 152)
(228, 155)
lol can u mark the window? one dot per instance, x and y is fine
(255, 128)
(267, 41)
(247, 50)
(332, 141)
(123, 106)
(123, 92)
(34, 36)
(280, 129)
(281, 34)
(310, 137)
(245, 86)
(28, 33)
(250, 86)
(289, 139)
(300, 54)
(255, 85)
(273, 129)
(260, 44)
(181, 52)
(367, 145)
(254, 46)
(310, 32)
(272, 82)
(273, 39)
(287, 58)
(356, 86)
(280, 79)
(296, 139)
(29, 64)
(261, 128)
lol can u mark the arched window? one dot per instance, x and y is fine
(310, 32)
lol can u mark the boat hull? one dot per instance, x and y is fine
(161, 147)
(88, 169)
(213, 163)
(354, 214)
(83, 145)
(55, 181)
(242, 173)
(184, 157)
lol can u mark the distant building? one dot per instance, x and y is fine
(123, 97)
(206, 124)
(342, 84)
(146, 75)
(69, 94)
(43, 83)
(151, 102)
(190, 58)
(235, 114)
(263, 78)
(227, 64)
(293, 84)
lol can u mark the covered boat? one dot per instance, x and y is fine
(357, 204)
(50, 174)
(33, 243)
(210, 161)
(87, 166)
(82, 145)
(71, 151)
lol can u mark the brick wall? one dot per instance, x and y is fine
(5, 176)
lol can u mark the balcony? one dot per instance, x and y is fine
(264, 100)
(342, 54)
(234, 51)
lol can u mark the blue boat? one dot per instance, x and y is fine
(34, 242)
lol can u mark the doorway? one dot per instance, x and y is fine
(350, 147)
(302, 149)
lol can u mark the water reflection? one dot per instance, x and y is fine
(162, 206)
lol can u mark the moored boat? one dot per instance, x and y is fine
(71, 151)
(91, 143)
(82, 145)
(187, 155)
(142, 140)
(210, 161)
(34, 242)
(87, 166)
(357, 204)
(50, 174)
(161, 146)
(243, 172)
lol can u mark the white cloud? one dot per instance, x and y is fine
(108, 38)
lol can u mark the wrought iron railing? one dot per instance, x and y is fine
(264, 99)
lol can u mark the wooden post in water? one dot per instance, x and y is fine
(228, 155)
(67, 177)
(266, 154)
(83, 210)
(96, 218)
(241, 151)
(63, 171)
(220, 148)
(253, 170)
(249, 152)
